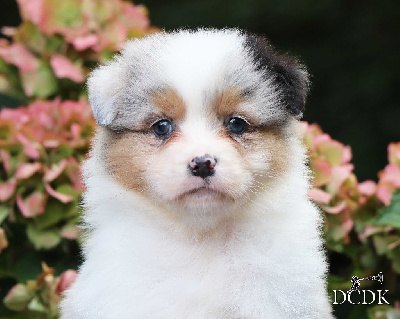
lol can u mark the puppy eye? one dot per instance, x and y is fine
(162, 127)
(237, 125)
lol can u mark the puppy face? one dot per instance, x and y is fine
(197, 122)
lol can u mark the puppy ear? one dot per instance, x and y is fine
(289, 74)
(105, 85)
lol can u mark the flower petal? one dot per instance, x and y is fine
(66, 279)
(332, 150)
(33, 205)
(346, 154)
(322, 172)
(322, 138)
(51, 143)
(18, 55)
(339, 175)
(25, 171)
(336, 209)
(85, 42)
(70, 232)
(31, 10)
(6, 160)
(61, 197)
(28, 147)
(7, 189)
(367, 188)
(319, 196)
(390, 175)
(52, 174)
(63, 68)
(384, 193)
(394, 153)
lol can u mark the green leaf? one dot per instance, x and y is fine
(337, 233)
(381, 311)
(396, 265)
(336, 282)
(368, 259)
(41, 83)
(55, 43)
(27, 267)
(43, 239)
(4, 211)
(53, 213)
(380, 245)
(36, 305)
(390, 215)
(18, 297)
(31, 36)
(66, 189)
(333, 152)
(64, 151)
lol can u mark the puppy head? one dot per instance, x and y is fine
(198, 122)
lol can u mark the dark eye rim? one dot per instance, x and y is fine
(153, 126)
(242, 119)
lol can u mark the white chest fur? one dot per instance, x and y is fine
(257, 266)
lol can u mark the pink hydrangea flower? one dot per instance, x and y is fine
(66, 279)
(63, 68)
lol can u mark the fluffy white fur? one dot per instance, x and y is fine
(148, 255)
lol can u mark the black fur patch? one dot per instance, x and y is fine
(289, 74)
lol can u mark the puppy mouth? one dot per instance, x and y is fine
(204, 192)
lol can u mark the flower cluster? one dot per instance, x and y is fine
(40, 296)
(389, 178)
(361, 219)
(383, 229)
(58, 42)
(41, 147)
(335, 185)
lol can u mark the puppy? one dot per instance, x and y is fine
(196, 200)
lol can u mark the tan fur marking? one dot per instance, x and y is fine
(170, 103)
(126, 158)
(277, 145)
(272, 141)
(227, 102)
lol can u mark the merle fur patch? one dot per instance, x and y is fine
(290, 75)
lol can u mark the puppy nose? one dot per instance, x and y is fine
(203, 166)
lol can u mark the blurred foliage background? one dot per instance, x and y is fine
(352, 50)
